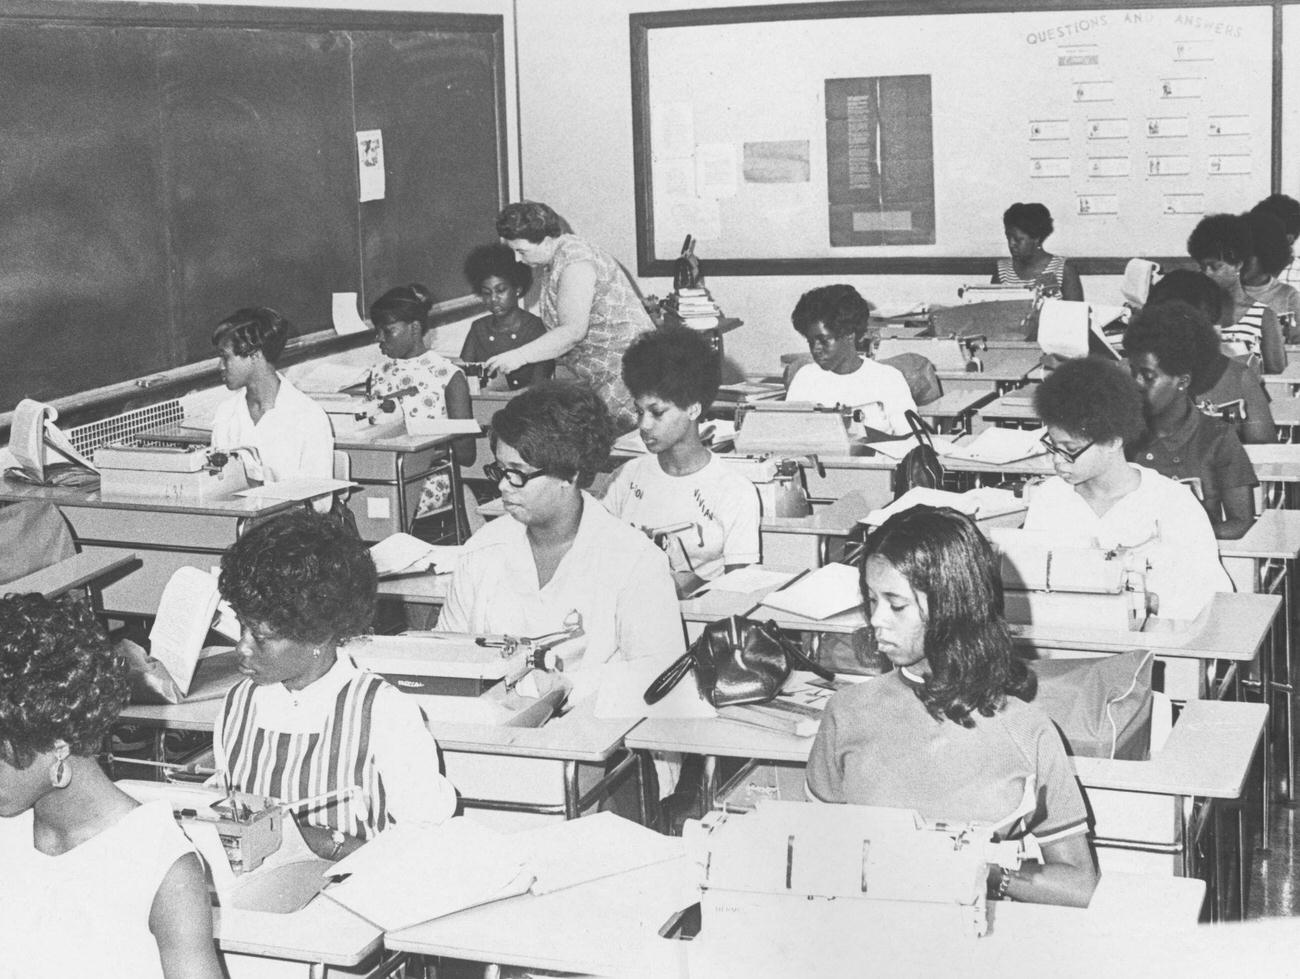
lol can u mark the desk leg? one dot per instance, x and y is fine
(572, 792)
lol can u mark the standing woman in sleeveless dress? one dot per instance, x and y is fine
(590, 307)
(1027, 226)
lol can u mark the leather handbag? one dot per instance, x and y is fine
(736, 660)
(920, 467)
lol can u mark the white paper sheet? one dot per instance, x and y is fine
(623, 683)
(346, 318)
(716, 170)
(564, 854)
(1063, 328)
(302, 488)
(983, 501)
(370, 165)
(402, 553)
(750, 578)
(184, 617)
(825, 592)
(1001, 446)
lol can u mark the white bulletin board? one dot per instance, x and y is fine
(1128, 123)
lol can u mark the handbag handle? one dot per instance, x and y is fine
(670, 677)
(793, 654)
(919, 428)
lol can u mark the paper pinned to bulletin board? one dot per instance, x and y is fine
(370, 165)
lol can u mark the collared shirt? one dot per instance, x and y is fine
(612, 575)
(1202, 448)
(293, 437)
(1235, 382)
(1160, 521)
(399, 746)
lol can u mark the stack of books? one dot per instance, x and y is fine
(694, 308)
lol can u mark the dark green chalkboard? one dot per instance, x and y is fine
(161, 166)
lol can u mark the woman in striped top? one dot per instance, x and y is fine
(1222, 246)
(306, 721)
(1027, 227)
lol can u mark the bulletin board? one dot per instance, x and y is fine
(164, 165)
(890, 137)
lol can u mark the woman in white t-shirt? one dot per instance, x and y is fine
(831, 319)
(694, 505)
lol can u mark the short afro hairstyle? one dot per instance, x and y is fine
(1285, 209)
(1191, 287)
(1221, 237)
(1091, 398)
(1033, 219)
(531, 221)
(251, 329)
(559, 426)
(60, 678)
(403, 304)
(498, 260)
(676, 364)
(839, 308)
(1268, 238)
(1178, 335)
(302, 576)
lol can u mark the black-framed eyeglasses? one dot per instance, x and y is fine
(1069, 455)
(515, 477)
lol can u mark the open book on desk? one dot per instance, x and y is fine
(42, 453)
(403, 554)
(405, 876)
(981, 503)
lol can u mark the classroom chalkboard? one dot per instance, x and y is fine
(161, 166)
(890, 136)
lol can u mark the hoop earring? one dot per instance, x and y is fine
(60, 771)
(316, 652)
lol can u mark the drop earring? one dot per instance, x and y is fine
(60, 771)
(316, 652)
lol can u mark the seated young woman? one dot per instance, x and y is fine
(291, 432)
(1092, 410)
(1220, 381)
(307, 721)
(436, 388)
(1166, 345)
(949, 731)
(557, 550)
(1221, 245)
(501, 281)
(831, 319)
(706, 512)
(1027, 226)
(94, 883)
(1260, 278)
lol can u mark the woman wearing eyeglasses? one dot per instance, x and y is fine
(1092, 409)
(561, 551)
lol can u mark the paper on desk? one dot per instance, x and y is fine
(407, 875)
(1063, 328)
(1002, 445)
(346, 318)
(301, 488)
(828, 591)
(403, 554)
(326, 377)
(750, 578)
(981, 502)
(184, 617)
(576, 851)
(443, 426)
(621, 693)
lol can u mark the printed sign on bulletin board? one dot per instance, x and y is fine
(879, 135)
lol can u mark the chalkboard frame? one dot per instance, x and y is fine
(650, 264)
(490, 27)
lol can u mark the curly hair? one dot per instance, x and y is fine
(404, 304)
(60, 678)
(1285, 209)
(1091, 398)
(1268, 236)
(839, 308)
(531, 221)
(1221, 237)
(253, 328)
(1033, 219)
(1189, 286)
(676, 364)
(944, 557)
(558, 426)
(302, 576)
(498, 260)
(1178, 335)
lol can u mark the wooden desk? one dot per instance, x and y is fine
(322, 934)
(1013, 410)
(559, 769)
(951, 412)
(805, 542)
(1278, 469)
(70, 573)
(1005, 367)
(163, 534)
(388, 465)
(1285, 384)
